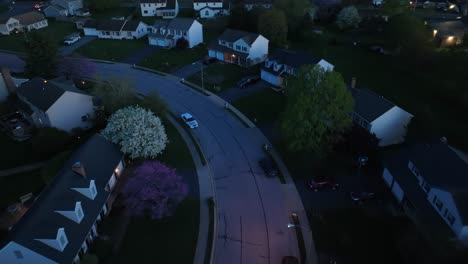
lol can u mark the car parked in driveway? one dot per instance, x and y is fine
(322, 182)
(209, 60)
(189, 120)
(268, 167)
(362, 196)
(246, 81)
(71, 39)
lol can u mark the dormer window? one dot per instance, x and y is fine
(413, 169)
(59, 242)
(90, 192)
(75, 215)
(268, 63)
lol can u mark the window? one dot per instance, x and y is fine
(238, 47)
(145, 12)
(230, 45)
(63, 240)
(426, 187)
(244, 49)
(129, 34)
(451, 219)
(445, 213)
(223, 42)
(79, 213)
(438, 203)
(413, 169)
(207, 13)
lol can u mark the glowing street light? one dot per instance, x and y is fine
(434, 32)
(452, 6)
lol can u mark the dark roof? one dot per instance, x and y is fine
(44, 94)
(131, 25)
(170, 4)
(292, 58)
(152, 1)
(232, 35)
(112, 24)
(370, 105)
(181, 23)
(91, 23)
(438, 164)
(100, 157)
(4, 19)
(30, 18)
(207, 1)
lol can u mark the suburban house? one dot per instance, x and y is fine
(54, 10)
(239, 47)
(63, 221)
(251, 4)
(115, 28)
(429, 181)
(72, 6)
(27, 21)
(379, 116)
(211, 8)
(8, 84)
(160, 8)
(281, 63)
(57, 103)
(448, 33)
(167, 33)
(8, 25)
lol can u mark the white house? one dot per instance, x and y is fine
(239, 47)
(54, 10)
(8, 25)
(429, 180)
(281, 63)
(63, 221)
(115, 29)
(159, 8)
(380, 117)
(211, 8)
(57, 103)
(166, 33)
(264, 4)
(70, 5)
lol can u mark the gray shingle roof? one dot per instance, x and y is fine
(292, 58)
(370, 105)
(112, 24)
(100, 157)
(438, 164)
(232, 35)
(30, 18)
(181, 23)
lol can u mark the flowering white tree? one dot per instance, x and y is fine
(348, 17)
(138, 131)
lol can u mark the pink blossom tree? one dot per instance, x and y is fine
(154, 188)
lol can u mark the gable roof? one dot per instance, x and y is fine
(181, 24)
(370, 105)
(55, 6)
(232, 35)
(100, 157)
(439, 165)
(30, 18)
(43, 94)
(4, 20)
(112, 24)
(292, 58)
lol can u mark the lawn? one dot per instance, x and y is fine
(220, 76)
(112, 12)
(111, 49)
(169, 60)
(3, 9)
(14, 186)
(14, 153)
(176, 153)
(265, 106)
(56, 31)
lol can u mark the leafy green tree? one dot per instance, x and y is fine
(103, 4)
(273, 25)
(154, 103)
(41, 54)
(115, 94)
(317, 111)
(408, 34)
(393, 7)
(348, 17)
(294, 10)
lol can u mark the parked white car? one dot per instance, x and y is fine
(189, 120)
(71, 39)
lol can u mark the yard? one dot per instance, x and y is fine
(14, 186)
(111, 49)
(56, 31)
(14, 153)
(3, 9)
(220, 76)
(169, 60)
(112, 12)
(176, 154)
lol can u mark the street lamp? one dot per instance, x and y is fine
(292, 225)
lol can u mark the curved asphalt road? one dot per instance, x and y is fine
(253, 210)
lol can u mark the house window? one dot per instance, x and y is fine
(230, 45)
(129, 34)
(18, 254)
(145, 12)
(451, 219)
(63, 240)
(438, 203)
(223, 42)
(445, 213)
(413, 169)
(244, 49)
(207, 13)
(426, 187)
(238, 47)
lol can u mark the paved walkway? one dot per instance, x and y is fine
(139, 55)
(206, 190)
(21, 169)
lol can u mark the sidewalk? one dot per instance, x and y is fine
(206, 190)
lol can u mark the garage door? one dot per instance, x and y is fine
(153, 41)
(162, 43)
(220, 56)
(397, 191)
(212, 53)
(270, 78)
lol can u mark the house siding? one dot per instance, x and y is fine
(258, 51)
(447, 203)
(391, 127)
(195, 34)
(9, 26)
(76, 105)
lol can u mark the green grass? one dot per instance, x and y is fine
(4, 9)
(51, 168)
(110, 49)
(14, 153)
(14, 186)
(56, 31)
(169, 60)
(176, 154)
(169, 240)
(112, 12)
(220, 76)
(265, 106)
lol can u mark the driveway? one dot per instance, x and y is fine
(68, 50)
(189, 70)
(253, 210)
(235, 93)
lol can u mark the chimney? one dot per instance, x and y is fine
(353, 82)
(79, 169)
(444, 140)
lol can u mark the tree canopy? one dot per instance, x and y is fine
(393, 7)
(295, 10)
(273, 25)
(41, 53)
(348, 17)
(115, 94)
(317, 111)
(138, 132)
(408, 33)
(102, 4)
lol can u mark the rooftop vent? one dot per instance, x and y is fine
(79, 169)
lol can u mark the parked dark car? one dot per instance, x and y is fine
(244, 82)
(289, 260)
(209, 60)
(268, 167)
(362, 196)
(322, 182)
